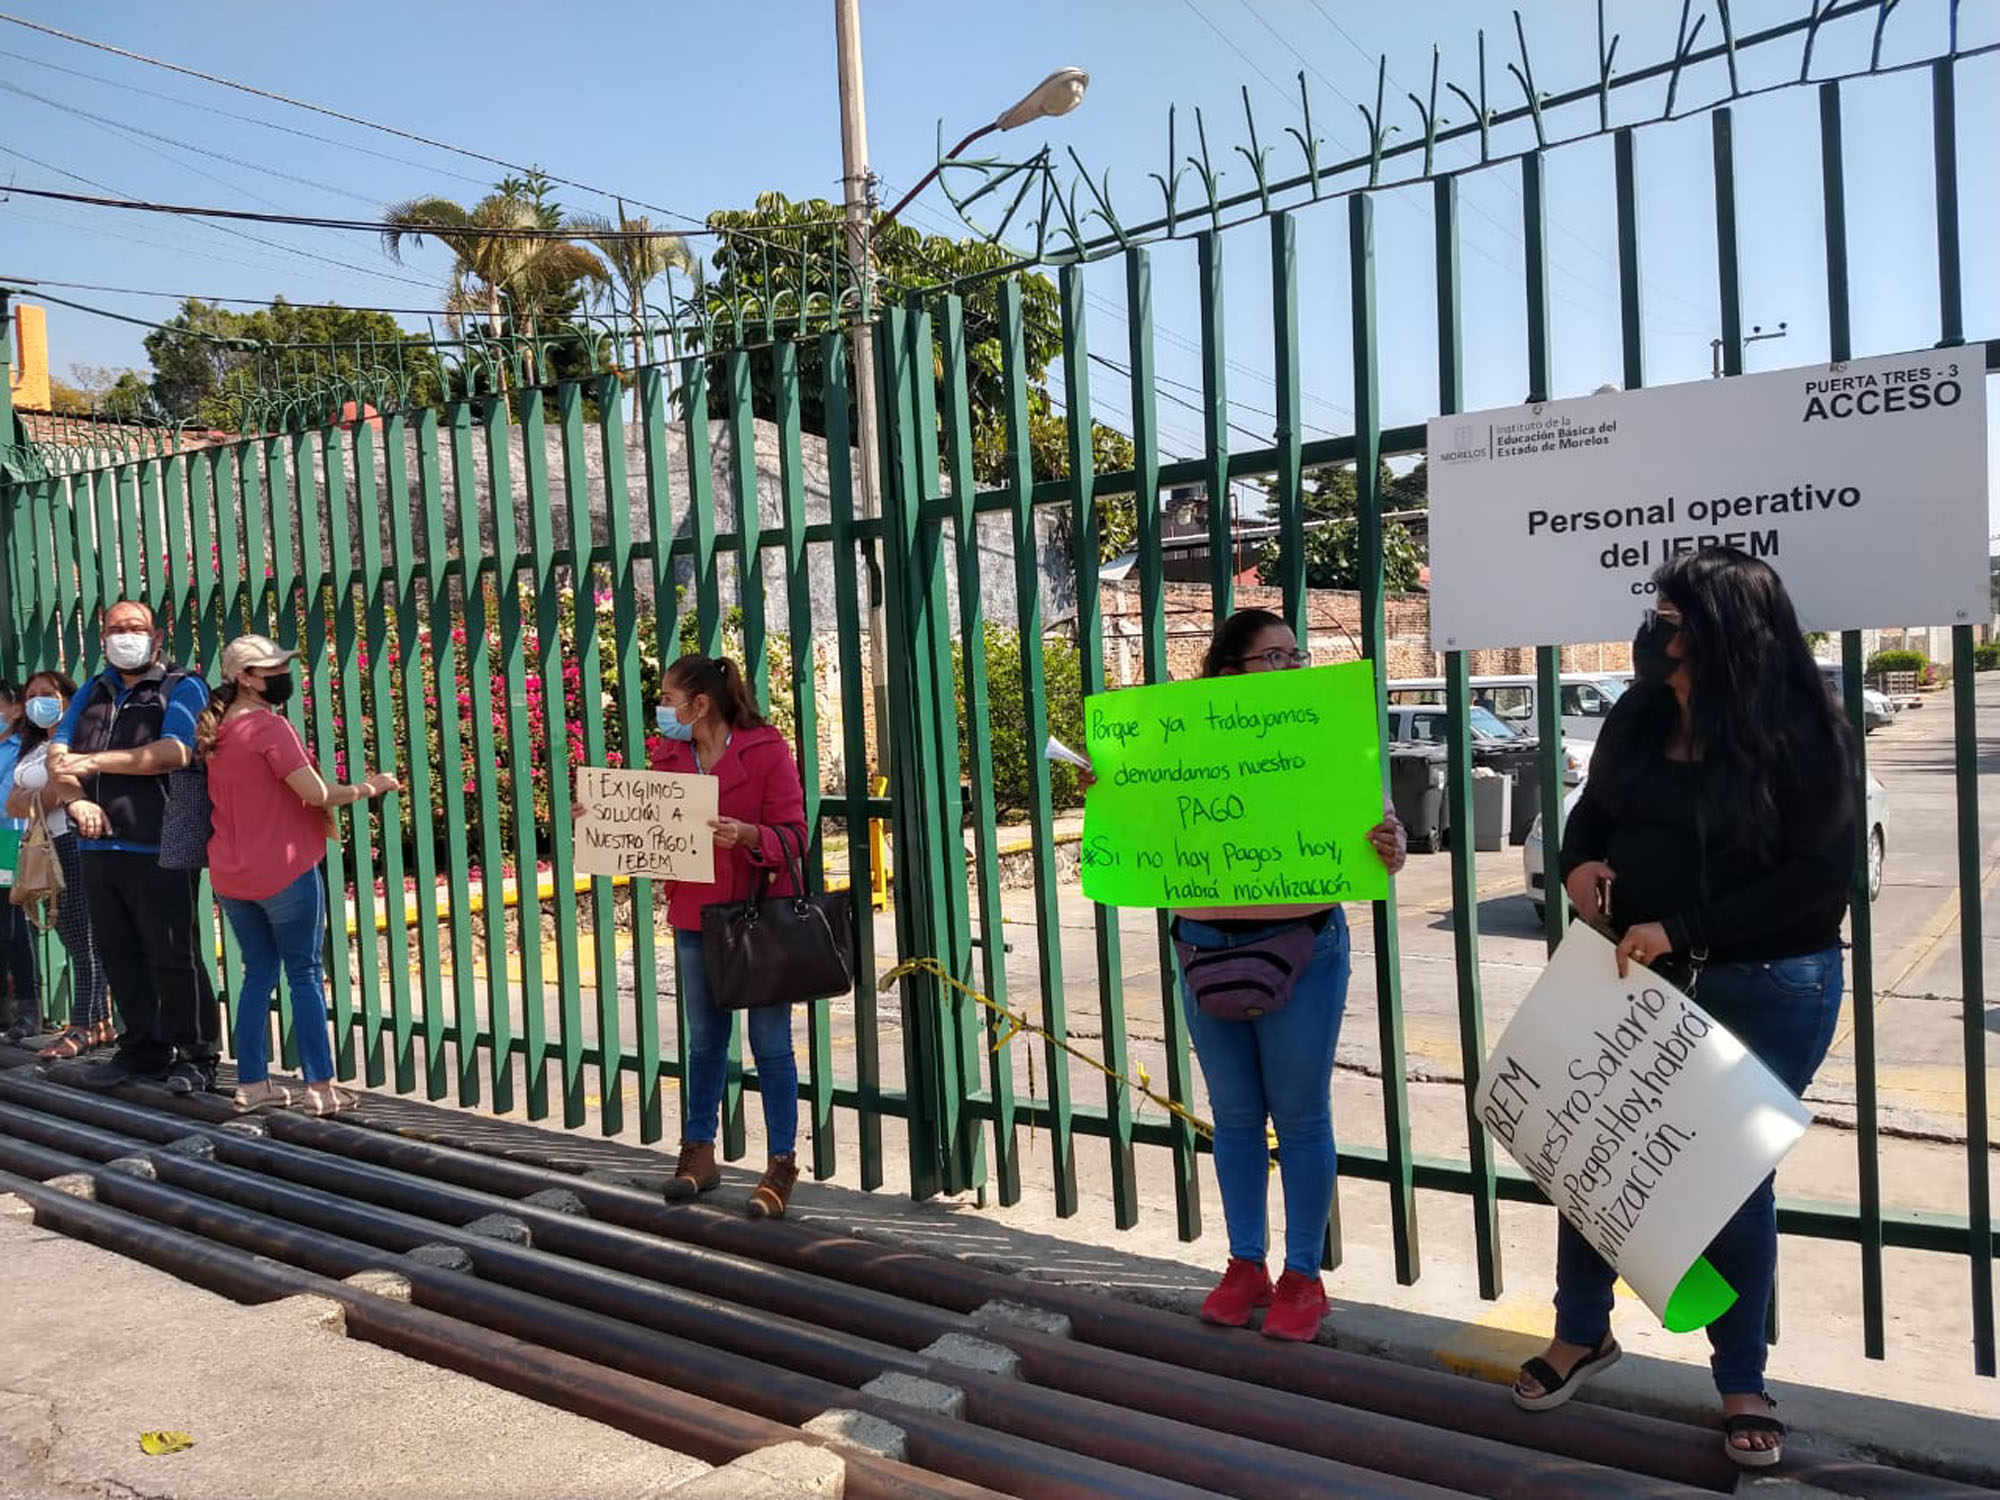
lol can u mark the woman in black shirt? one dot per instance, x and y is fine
(1715, 840)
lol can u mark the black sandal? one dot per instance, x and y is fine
(1745, 1423)
(1557, 1388)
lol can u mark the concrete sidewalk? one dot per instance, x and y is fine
(96, 1349)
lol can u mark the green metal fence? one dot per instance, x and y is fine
(484, 590)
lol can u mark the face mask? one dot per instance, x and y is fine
(45, 713)
(1649, 648)
(670, 724)
(277, 690)
(129, 650)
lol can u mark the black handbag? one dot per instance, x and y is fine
(772, 950)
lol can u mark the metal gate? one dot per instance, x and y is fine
(485, 587)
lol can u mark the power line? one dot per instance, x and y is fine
(234, 161)
(366, 124)
(134, 291)
(240, 234)
(230, 114)
(367, 226)
(1230, 42)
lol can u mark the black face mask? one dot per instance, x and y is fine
(1649, 648)
(278, 690)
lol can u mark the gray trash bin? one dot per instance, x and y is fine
(1517, 759)
(1492, 805)
(1416, 788)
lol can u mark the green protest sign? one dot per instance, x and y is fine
(1235, 791)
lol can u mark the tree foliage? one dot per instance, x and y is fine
(784, 252)
(1333, 532)
(530, 281)
(197, 353)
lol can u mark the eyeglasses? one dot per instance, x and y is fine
(1277, 659)
(1671, 623)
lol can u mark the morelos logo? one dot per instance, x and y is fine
(1465, 445)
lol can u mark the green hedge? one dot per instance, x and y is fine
(1986, 656)
(1896, 661)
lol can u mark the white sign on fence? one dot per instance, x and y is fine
(1863, 484)
(650, 823)
(1643, 1120)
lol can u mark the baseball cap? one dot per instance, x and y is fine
(253, 653)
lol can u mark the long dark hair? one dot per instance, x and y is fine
(720, 680)
(1760, 709)
(32, 734)
(1225, 652)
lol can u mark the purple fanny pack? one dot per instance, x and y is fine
(1251, 979)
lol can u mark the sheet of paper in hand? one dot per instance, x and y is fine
(650, 823)
(1643, 1119)
(1253, 789)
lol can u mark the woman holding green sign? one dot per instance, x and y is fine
(1715, 840)
(1264, 989)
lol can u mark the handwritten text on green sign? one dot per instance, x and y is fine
(1247, 790)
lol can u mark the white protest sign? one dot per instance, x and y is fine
(1864, 485)
(1643, 1120)
(650, 823)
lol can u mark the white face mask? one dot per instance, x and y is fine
(129, 650)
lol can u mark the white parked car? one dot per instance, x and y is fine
(1533, 859)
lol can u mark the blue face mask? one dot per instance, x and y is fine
(670, 724)
(45, 713)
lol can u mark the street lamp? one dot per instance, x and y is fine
(1057, 94)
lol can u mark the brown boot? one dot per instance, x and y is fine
(695, 1171)
(775, 1191)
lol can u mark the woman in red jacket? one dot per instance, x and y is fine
(712, 728)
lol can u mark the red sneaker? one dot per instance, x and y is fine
(1296, 1308)
(1245, 1287)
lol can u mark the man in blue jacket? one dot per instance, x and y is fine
(125, 730)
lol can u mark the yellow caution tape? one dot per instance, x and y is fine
(1018, 1022)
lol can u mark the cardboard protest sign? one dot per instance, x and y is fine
(650, 823)
(1253, 789)
(1644, 1121)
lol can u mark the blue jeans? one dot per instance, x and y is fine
(1784, 1011)
(708, 1024)
(282, 933)
(1279, 1068)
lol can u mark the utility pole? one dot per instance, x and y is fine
(858, 183)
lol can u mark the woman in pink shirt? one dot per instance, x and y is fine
(272, 821)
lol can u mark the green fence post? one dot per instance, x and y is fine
(1840, 340)
(1965, 730)
(1028, 595)
(1090, 646)
(1458, 787)
(925, 870)
(1375, 644)
(972, 674)
(1185, 1143)
(818, 1087)
(835, 396)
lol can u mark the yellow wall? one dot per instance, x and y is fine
(28, 374)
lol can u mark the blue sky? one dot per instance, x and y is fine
(699, 107)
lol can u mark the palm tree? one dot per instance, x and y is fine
(637, 257)
(492, 271)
